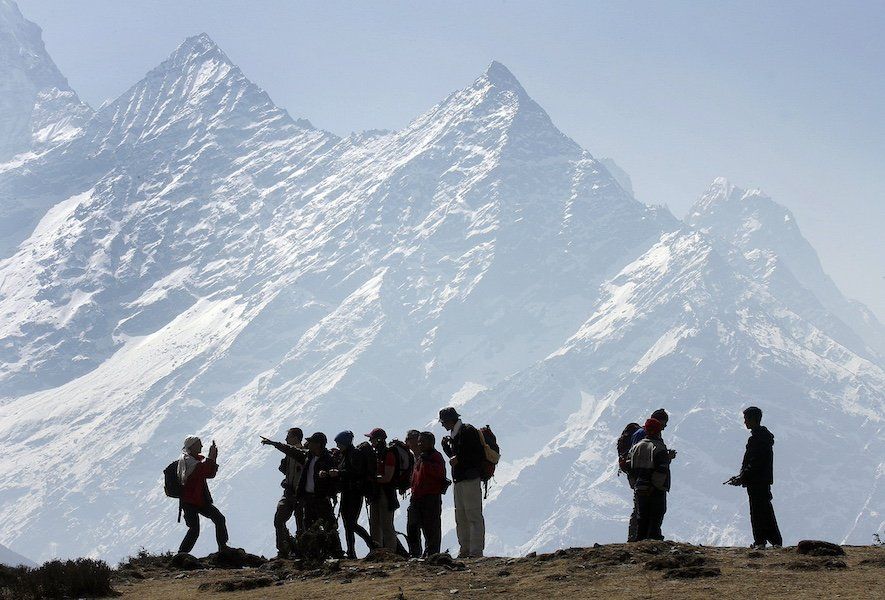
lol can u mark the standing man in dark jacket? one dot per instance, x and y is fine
(316, 489)
(291, 467)
(425, 506)
(650, 464)
(352, 474)
(193, 471)
(466, 454)
(757, 475)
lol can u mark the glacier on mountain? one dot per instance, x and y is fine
(190, 258)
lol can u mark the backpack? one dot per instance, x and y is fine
(491, 458)
(367, 460)
(405, 464)
(624, 445)
(171, 484)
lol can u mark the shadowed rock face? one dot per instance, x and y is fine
(202, 262)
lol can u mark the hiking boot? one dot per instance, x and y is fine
(757, 546)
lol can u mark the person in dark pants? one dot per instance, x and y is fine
(353, 472)
(757, 475)
(193, 471)
(289, 505)
(639, 435)
(650, 462)
(425, 507)
(316, 489)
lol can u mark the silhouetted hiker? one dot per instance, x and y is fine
(429, 483)
(637, 436)
(382, 495)
(466, 454)
(291, 467)
(317, 490)
(650, 464)
(412, 442)
(353, 471)
(193, 471)
(757, 475)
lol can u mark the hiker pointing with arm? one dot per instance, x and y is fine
(193, 472)
(290, 504)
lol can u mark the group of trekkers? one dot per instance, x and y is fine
(645, 458)
(375, 471)
(381, 473)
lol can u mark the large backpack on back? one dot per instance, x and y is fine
(366, 457)
(171, 484)
(492, 456)
(625, 442)
(405, 464)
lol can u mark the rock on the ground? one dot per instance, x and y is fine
(819, 548)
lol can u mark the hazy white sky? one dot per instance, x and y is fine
(786, 96)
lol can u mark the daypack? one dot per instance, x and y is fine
(368, 460)
(405, 464)
(492, 452)
(641, 456)
(171, 484)
(624, 445)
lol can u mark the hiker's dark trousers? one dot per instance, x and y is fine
(424, 517)
(286, 507)
(192, 520)
(351, 507)
(650, 510)
(762, 518)
(318, 509)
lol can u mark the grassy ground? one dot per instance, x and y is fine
(634, 571)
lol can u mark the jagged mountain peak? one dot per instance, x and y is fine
(501, 77)
(37, 106)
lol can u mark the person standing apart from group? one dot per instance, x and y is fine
(757, 476)
(193, 472)
(466, 454)
(650, 465)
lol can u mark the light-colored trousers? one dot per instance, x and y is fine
(381, 522)
(469, 522)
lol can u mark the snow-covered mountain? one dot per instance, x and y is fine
(37, 110)
(205, 263)
(14, 559)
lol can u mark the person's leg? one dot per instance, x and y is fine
(431, 523)
(756, 515)
(349, 510)
(472, 495)
(285, 508)
(299, 516)
(192, 520)
(640, 501)
(212, 513)
(413, 527)
(772, 532)
(388, 531)
(659, 509)
(375, 522)
(462, 525)
(325, 515)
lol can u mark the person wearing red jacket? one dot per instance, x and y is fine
(193, 471)
(425, 508)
